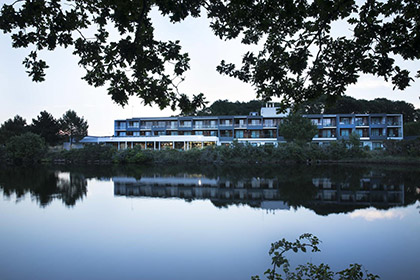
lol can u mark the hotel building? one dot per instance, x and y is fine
(186, 132)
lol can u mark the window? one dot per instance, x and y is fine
(239, 134)
(269, 122)
(198, 133)
(136, 133)
(198, 124)
(328, 122)
(174, 124)
(316, 121)
(225, 122)
(376, 145)
(255, 134)
(362, 132)
(361, 121)
(121, 125)
(376, 132)
(345, 132)
(345, 120)
(376, 120)
(185, 124)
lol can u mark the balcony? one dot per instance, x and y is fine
(185, 126)
(361, 123)
(205, 126)
(393, 123)
(269, 125)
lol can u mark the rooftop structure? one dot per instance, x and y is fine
(186, 132)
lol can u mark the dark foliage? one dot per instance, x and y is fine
(12, 127)
(47, 127)
(225, 108)
(28, 148)
(412, 128)
(296, 128)
(350, 105)
(73, 126)
(300, 59)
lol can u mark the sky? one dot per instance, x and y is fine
(64, 89)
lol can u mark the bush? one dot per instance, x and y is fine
(27, 148)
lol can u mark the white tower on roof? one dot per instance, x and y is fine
(270, 110)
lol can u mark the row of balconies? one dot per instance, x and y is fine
(197, 124)
(343, 133)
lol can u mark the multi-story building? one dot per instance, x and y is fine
(186, 132)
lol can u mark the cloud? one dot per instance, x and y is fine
(373, 214)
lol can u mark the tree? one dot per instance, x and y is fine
(304, 243)
(299, 59)
(26, 148)
(47, 127)
(224, 108)
(296, 128)
(12, 127)
(73, 126)
(350, 105)
(412, 129)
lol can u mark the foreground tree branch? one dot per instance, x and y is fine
(299, 59)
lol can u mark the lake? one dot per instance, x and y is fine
(204, 222)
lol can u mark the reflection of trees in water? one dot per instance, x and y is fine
(42, 184)
(323, 188)
(296, 185)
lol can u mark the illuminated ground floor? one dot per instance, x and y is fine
(155, 143)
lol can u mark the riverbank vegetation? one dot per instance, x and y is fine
(30, 148)
(406, 151)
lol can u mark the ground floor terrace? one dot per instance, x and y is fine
(155, 143)
(187, 142)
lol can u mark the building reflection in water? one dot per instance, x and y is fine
(269, 194)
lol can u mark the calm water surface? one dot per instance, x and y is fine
(204, 222)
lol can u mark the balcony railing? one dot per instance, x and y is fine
(361, 123)
(205, 126)
(185, 125)
(269, 125)
(146, 127)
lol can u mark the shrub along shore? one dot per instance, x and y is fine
(340, 151)
(406, 151)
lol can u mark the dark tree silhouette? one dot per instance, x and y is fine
(299, 60)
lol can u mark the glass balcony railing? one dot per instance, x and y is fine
(394, 123)
(199, 126)
(361, 123)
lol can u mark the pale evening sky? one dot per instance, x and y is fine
(64, 89)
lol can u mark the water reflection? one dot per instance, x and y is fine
(324, 189)
(322, 194)
(43, 185)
